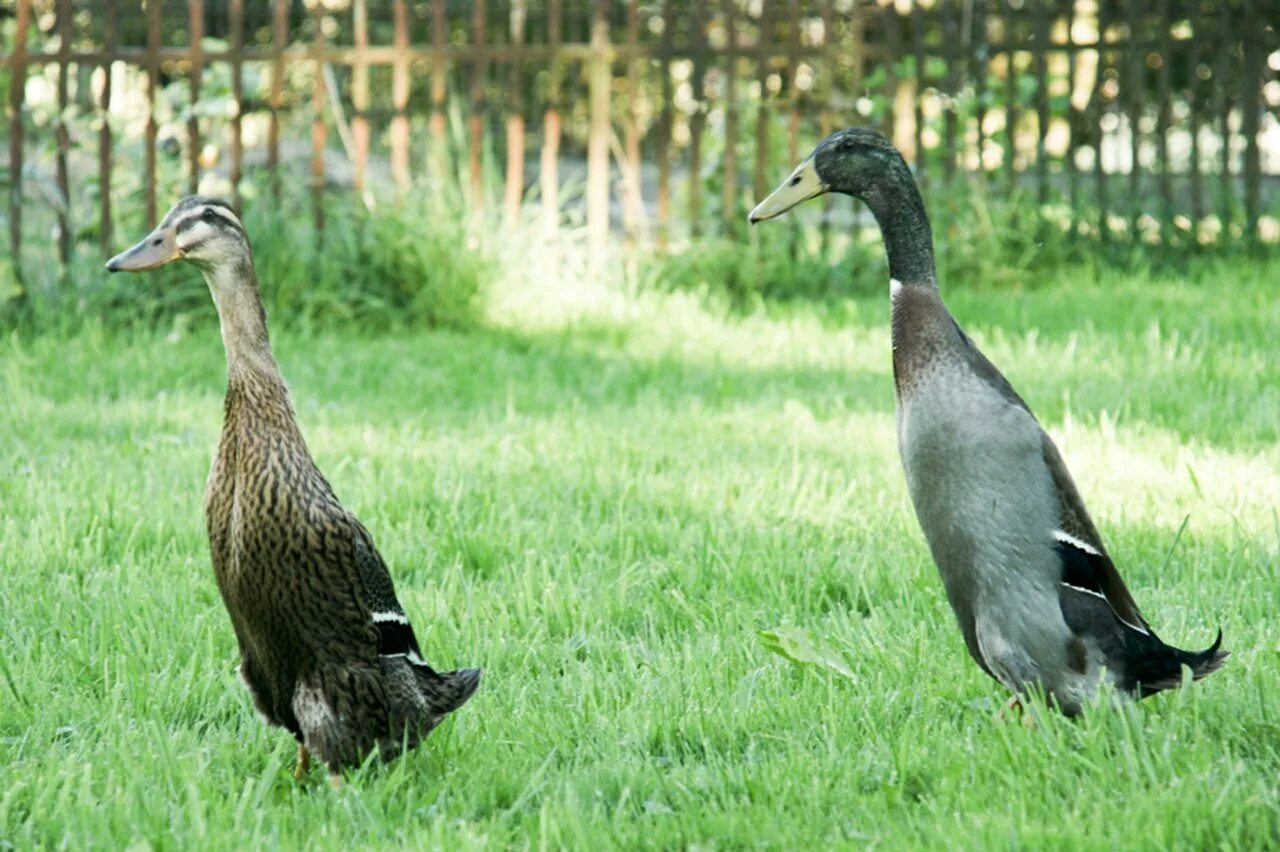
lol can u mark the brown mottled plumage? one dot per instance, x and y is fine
(326, 648)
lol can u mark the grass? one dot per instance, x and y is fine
(604, 501)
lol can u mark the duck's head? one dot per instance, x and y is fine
(856, 161)
(204, 231)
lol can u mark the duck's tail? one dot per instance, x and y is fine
(1163, 669)
(446, 692)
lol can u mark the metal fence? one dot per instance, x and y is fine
(1140, 119)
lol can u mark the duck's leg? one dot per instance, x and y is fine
(304, 763)
(336, 782)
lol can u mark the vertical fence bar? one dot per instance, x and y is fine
(153, 72)
(762, 104)
(663, 144)
(831, 63)
(515, 114)
(1250, 85)
(1042, 100)
(1099, 171)
(549, 172)
(1222, 109)
(697, 121)
(828, 85)
(104, 129)
(633, 209)
(400, 97)
(475, 123)
(319, 134)
(795, 98)
(439, 26)
(360, 94)
(950, 42)
(1162, 119)
(978, 70)
(729, 187)
(235, 32)
(17, 90)
(62, 136)
(893, 50)
(598, 134)
(917, 99)
(1195, 103)
(1010, 97)
(195, 30)
(1133, 87)
(1073, 121)
(279, 34)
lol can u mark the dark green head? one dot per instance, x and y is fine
(856, 161)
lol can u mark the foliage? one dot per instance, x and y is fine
(407, 264)
(604, 514)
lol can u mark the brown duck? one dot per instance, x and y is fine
(326, 649)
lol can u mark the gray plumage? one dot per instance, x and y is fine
(1038, 599)
(326, 648)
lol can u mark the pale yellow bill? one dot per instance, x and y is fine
(160, 247)
(802, 185)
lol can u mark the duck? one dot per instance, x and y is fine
(1040, 603)
(326, 649)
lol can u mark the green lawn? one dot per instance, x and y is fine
(602, 501)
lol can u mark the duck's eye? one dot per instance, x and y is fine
(208, 215)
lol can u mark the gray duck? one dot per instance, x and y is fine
(326, 648)
(1039, 601)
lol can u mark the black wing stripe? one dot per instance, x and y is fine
(396, 637)
(1079, 573)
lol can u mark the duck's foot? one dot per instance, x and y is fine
(304, 763)
(1014, 706)
(336, 782)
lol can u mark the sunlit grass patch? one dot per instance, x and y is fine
(604, 502)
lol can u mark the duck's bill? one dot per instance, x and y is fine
(160, 247)
(802, 185)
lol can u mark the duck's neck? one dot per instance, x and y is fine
(234, 286)
(895, 202)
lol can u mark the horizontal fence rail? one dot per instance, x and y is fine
(1151, 121)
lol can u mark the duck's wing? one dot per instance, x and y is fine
(1086, 567)
(395, 634)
